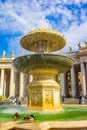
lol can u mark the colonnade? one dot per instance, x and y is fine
(13, 83)
(74, 81)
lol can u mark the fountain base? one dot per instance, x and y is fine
(44, 92)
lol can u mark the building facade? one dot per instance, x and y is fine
(12, 82)
(73, 82)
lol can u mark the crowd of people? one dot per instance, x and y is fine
(14, 100)
(81, 99)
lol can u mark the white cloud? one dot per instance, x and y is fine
(75, 35)
(30, 14)
(14, 45)
(77, 2)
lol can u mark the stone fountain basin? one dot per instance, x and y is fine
(52, 40)
(43, 61)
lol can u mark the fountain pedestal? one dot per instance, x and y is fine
(44, 91)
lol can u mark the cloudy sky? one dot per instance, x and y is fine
(18, 17)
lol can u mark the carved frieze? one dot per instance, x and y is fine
(36, 97)
(48, 97)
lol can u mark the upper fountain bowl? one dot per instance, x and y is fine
(43, 41)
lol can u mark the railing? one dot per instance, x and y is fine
(6, 58)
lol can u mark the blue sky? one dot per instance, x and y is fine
(18, 17)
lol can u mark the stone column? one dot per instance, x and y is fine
(2, 82)
(30, 78)
(12, 83)
(86, 78)
(63, 84)
(3, 55)
(73, 82)
(86, 67)
(83, 79)
(4, 91)
(21, 85)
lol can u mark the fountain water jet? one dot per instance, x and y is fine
(44, 91)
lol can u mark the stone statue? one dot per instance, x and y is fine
(86, 44)
(22, 52)
(70, 49)
(4, 53)
(12, 53)
(79, 45)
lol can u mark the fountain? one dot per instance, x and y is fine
(43, 91)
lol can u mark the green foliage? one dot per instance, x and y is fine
(5, 117)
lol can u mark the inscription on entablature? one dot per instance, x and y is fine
(83, 59)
